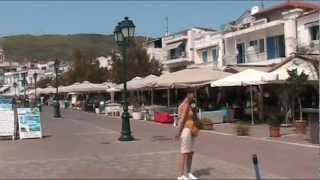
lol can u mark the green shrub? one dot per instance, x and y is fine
(275, 121)
(242, 129)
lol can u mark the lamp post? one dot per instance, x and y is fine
(35, 76)
(123, 33)
(15, 88)
(24, 83)
(57, 113)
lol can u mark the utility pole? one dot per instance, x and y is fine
(262, 4)
(167, 26)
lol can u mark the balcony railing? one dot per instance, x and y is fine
(248, 58)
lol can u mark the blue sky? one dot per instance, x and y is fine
(27, 17)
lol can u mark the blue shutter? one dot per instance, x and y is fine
(271, 52)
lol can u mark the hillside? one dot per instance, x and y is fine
(45, 47)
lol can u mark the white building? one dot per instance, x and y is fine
(209, 50)
(180, 48)
(265, 36)
(155, 50)
(105, 62)
(308, 32)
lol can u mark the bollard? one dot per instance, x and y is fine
(256, 166)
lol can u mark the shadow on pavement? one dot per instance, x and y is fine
(161, 138)
(203, 172)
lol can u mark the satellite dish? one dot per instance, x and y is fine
(254, 10)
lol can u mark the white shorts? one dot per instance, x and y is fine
(186, 141)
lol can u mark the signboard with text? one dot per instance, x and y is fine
(7, 123)
(29, 123)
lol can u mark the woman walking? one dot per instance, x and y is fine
(187, 131)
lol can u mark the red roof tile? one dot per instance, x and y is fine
(289, 5)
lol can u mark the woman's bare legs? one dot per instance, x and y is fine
(189, 162)
(182, 163)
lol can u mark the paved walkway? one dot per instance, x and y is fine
(84, 145)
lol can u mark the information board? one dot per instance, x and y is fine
(29, 123)
(7, 123)
(5, 107)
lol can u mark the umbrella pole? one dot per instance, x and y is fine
(168, 97)
(251, 100)
(152, 96)
(195, 95)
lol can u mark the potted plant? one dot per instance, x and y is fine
(137, 113)
(206, 124)
(242, 129)
(274, 123)
(297, 86)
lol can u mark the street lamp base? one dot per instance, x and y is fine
(126, 137)
(57, 113)
(57, 116)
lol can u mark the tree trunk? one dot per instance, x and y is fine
(260, 105)
(300, 107)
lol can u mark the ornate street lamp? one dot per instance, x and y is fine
(24, 83)
(123, 34)
(15, 88)
(57, 113)
(35, 76)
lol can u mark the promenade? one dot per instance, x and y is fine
(85, 145)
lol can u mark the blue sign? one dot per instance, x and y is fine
(29, 123)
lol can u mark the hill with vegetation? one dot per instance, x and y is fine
(39, 48)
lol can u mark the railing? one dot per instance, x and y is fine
(176, 57)
(248, 58)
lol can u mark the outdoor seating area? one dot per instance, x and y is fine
(250, 96)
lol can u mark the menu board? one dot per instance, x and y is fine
(5, 107)
(7, 123)
(29, 123)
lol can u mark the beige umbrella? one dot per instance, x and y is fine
(190, 78)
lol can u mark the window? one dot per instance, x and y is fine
(172, 53)
(261, 45)
(253, 43)
(205, 56)
(258, 45)
(314, 32)
(275, 47)
(215, 55)
(241, 58)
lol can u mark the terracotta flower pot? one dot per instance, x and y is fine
(274, 131)
(137, 115)
(207, 126)
(300, 126)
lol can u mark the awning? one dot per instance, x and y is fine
(190, 78)
(4, 88)
(174, 45)
(244, 78)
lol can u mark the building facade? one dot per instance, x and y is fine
(179, 48)
(308, 32)
(258, 37)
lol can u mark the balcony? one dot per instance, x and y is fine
(251, 59)
(176, 62)
(174, 38)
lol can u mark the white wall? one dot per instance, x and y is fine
(304, 38)
(206, 43)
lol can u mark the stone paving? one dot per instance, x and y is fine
(84, 145)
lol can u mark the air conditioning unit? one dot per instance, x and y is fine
(260, 21)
